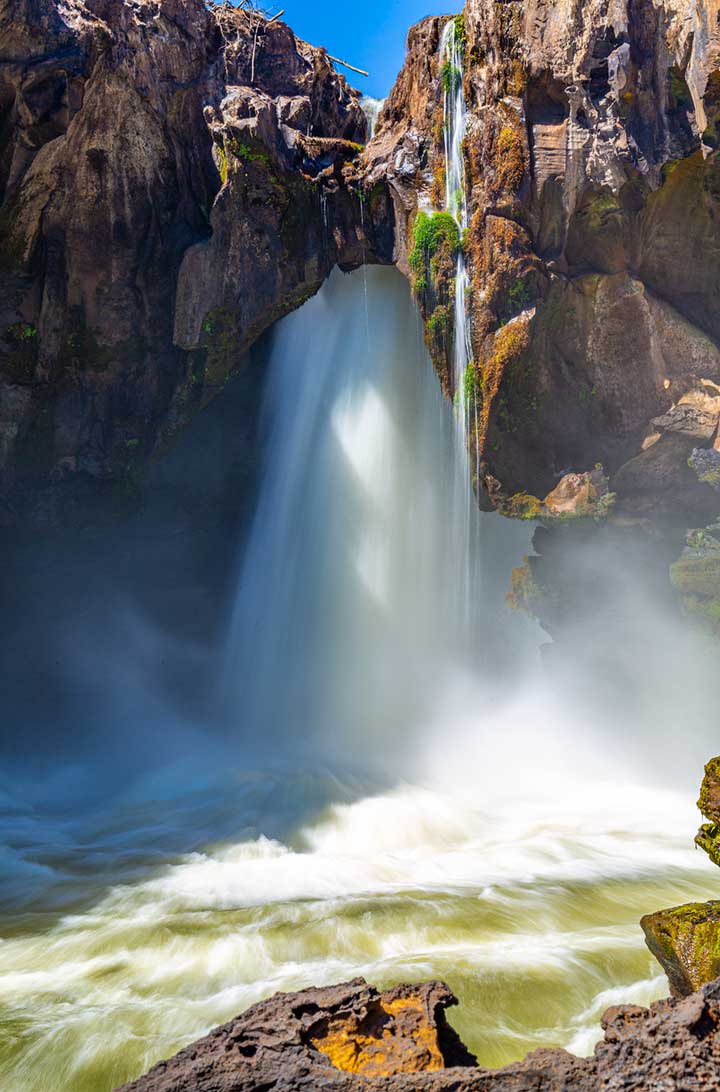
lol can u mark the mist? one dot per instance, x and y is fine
(292, 692)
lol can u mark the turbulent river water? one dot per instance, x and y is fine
(388, 784)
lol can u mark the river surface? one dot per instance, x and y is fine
(385, 782)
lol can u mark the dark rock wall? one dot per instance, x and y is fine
(173, 179)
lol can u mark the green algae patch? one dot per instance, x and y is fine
(685, 940)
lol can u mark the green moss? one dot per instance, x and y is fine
(451, 77)
(437, 324)
(429, 234)
(708, 839)
(246, 153)
(519, 295)
(472, 384)
(459, 31)
(523, 506)
(686, 942)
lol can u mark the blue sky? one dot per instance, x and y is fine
(369, 34)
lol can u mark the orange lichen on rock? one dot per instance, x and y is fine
(509, 157)
(397, 1034)
(508, 347)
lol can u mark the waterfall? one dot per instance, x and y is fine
(454, 128)
(353, 602)
(398, 794)
(371, 108)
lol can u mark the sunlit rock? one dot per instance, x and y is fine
(578, 494)
(686, 942)
(349, 1037)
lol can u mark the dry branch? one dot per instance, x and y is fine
(350, 66)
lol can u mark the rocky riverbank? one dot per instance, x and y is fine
(351, 1036)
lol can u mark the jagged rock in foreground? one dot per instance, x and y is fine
(685, 940)
(352, 1037)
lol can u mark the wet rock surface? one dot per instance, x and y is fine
(352, 1036)
(686, 939)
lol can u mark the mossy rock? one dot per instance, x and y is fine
(685, 940)
(523, 506)
(709, 799)
(708, 839)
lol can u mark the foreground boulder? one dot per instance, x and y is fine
(353, 1037)
(685, 940)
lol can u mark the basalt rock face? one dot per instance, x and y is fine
(350, 1037)
(172, 179)
(592, 180)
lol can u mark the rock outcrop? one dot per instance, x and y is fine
(591, 163)
(686, 939)
(174, 178)
(351, 1037)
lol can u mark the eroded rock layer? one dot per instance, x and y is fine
(350, 1037)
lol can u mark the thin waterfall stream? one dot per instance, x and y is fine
(393, 789)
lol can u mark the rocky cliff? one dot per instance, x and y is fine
(351, 1037)
(591, 171)
(174, 177)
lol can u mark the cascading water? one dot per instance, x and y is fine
(371, 108)
(398, 793)
(341, 629)
(454, 127)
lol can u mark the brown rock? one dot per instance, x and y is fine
(685, 940)
(278, 1044)
(577, 494)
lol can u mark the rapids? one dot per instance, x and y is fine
(385, 782)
